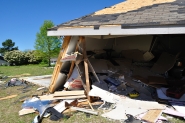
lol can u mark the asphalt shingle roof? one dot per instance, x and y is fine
(161, 14)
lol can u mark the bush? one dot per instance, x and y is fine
(17, 57)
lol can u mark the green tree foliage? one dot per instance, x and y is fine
(46, 47)
(31, 57)
(8, 45)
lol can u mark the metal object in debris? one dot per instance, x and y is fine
(112, 81)
(38, 118)
(36, 104)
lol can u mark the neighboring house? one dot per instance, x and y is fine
(53, 61)
(3, 62)
(133, 24)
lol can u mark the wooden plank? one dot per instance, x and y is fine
(68, 93)
(152, 116)
(51, 97)
(8, 97)
(58, 64)
(86, 67)
(84, 110)
(26, 111)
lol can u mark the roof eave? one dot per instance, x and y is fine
(118, 30)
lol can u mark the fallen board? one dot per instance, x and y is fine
(8, 97)
(68, 93)
(152, 116)
(26, 111)
(51, 97)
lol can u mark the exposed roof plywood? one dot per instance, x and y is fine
(130, 5)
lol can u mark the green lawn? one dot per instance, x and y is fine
(9, 108)
(25, 70)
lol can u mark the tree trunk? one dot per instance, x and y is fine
(49, 62)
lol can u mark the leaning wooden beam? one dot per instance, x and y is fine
(82, 39)
(58, 63)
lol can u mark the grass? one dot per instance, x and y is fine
(25, 70)
(9, 108)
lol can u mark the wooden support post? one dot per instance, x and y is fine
(58, 64)
(82, 39)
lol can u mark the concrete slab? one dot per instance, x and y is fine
(39, 80)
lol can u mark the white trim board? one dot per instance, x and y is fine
(116, 30)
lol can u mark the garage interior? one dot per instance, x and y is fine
(115, 56)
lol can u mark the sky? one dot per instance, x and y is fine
(20, 20)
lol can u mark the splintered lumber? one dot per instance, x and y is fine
(90, 105)
(58, 64)
(51, 97)
(8, 97)
(82, 39)
(152, 115)
(26, 111)
(68, 93)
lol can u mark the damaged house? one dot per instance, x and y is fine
(134, 49)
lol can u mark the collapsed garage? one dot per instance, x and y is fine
(133, 48)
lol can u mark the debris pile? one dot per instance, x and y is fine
(136, 86)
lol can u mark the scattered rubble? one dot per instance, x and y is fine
(128, 89)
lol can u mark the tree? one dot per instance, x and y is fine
(46, 47)
(8, 45)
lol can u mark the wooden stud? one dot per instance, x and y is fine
(82, 39)
(90, 105)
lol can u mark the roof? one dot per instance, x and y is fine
(134, 13)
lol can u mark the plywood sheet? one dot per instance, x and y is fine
(68, 93)
(152, 116)
(130, 5)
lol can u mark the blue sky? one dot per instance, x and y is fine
(20, 20)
